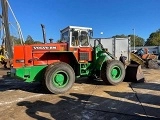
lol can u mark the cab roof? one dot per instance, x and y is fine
(76, 27)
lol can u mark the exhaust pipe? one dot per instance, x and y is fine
(44, 33)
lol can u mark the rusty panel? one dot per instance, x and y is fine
(75, 52)
(87, 50)
(28, 55)
(57, 57)
(52, 57)
(39, 59)
(18, 55)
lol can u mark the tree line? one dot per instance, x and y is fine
(29, 40)
(153, 40)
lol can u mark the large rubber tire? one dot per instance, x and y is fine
(45, 73)
(59, 78)
(152, 64)
(48, 67)
(112, 72)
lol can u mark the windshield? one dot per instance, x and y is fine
(84, 38)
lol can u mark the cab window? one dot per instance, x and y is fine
(65, 37)
(75, 40)
(84, 38)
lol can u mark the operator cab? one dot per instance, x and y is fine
(77, 36)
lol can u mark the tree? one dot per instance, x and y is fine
(37, 42)
(138, 40)
(15, 40)
(29, 40)
(120, 36)
(154, 39)
(58, 41)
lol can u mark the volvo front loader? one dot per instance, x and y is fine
(57, 65)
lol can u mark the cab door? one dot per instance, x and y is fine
(74, 43)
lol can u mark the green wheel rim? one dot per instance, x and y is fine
(60, 79)
(116, 72)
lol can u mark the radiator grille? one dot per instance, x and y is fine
(83, 56)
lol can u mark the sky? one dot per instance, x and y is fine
(112, 17)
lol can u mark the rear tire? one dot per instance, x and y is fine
(152, 64)
(112, 72)
(59, 78)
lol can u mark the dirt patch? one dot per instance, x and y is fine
(86, 100)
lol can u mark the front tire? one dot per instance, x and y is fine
(152, 64)
(59, 78)
(112, 72)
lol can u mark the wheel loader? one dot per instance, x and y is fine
(57, 65)
(144, 58)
